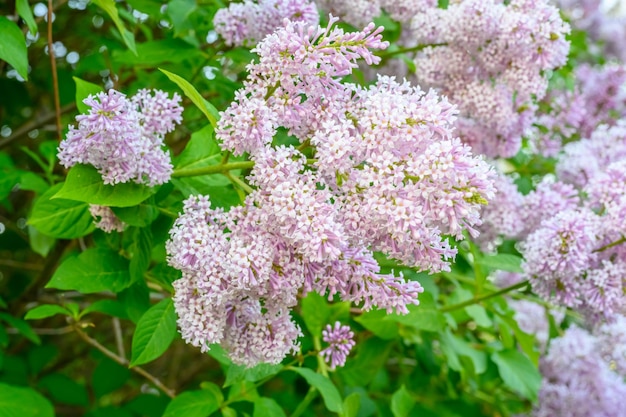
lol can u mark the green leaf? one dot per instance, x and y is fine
(152, 53)
(478, 313)
(22, 327)
(83, 90)
(23, 9)
(238, 373)
(109, 307)
(109, 7)
(267, 407)
(84, 183)
(139, 250)
(180, 11)
(200, 403)
(315, 313)
(155, 332)
(351, 405)
(136, 300)
(502, 262)
(40, 243)
(518, 372)
(424, 316)
(140, 215)
(23, 402)
(526, 341)
(376, 322)
(94, 270)
(370, 358)
(108, 377)
(401, 402)
(332, 399)
(454, 346)
(13, 47)
(44, 311)
(190, 91)
(64, 389)
(60, 218)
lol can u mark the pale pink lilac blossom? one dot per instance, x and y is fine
(123, 138)
(490, 58)
(105, 219)
(394, 181)
(341, 341)
(578, 379)
(249, 22)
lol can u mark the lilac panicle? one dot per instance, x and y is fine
(491, 58)
(105, 219)
(249, 22)
(389, 175)
(123, 138)
(578, 379)
(341, 341)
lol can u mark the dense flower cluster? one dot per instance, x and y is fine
(360, 12)
(387, 175)
(572, 231)
(123, 137)
(599, 97)
(105, 219)
(579, 379)
(341, 341)
(489, 58)
(248, 22)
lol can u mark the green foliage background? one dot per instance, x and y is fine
(87, 325)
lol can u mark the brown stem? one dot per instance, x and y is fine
(124, 362)
(55, 79)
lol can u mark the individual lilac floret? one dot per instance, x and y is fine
(123, 138)
(248, 22)
(341, 341)
(105, 219)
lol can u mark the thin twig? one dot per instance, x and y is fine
(119, 341)
(42, 331)
(55, 79)
(35, 124)
(477, 300)
(612, 244)
(124, 362)
(388, 54)
(237, 181)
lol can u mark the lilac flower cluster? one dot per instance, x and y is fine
(599, 98)
(123, 138)
(360, 12)
(579, 375)
(248, 22)
(490, 59)
(341, 341)
(386, 174)
(572, 231)
(105, 219)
